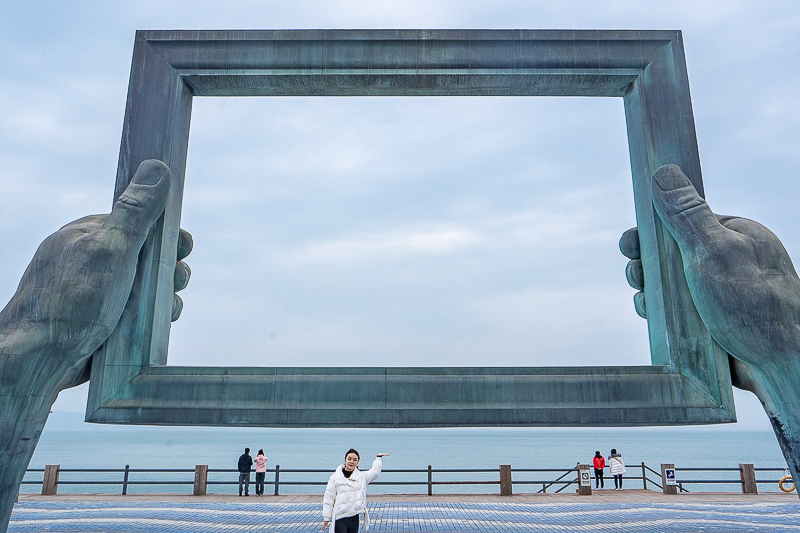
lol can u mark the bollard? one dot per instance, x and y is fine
(50, 480)
(430, 480)
(277, 478)
(668, 485)
(200, 480)
(506, 488)
(584, 480)
(748, 474)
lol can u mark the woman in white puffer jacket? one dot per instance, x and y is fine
(346, 494)
(617, 468)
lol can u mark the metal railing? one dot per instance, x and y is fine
(539, 480)
(733, 480)
(278, 478)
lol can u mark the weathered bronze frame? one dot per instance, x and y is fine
(689, 381)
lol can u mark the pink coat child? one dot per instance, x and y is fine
(261, 472)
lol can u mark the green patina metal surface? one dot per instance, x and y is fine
(689, 381)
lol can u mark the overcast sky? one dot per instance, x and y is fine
(396, 231)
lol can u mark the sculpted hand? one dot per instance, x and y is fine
(75, 288)
(747, 292)
(67, 304)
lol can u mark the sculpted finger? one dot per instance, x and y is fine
(182, 275)
(629, 244)
(185, 244)
(685, 213)
(635, 274)
(639, 304)
(177, 307)
(142, 203)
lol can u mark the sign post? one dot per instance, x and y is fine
(669, 482)
(584, 480)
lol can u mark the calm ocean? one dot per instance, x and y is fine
(182, 448)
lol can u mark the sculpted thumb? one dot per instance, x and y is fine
(683, 211)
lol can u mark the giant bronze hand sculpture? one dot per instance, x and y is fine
(747, 292)
(67, 304)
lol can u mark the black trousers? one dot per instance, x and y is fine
(346, 525)
(598, 478)
(260, 483)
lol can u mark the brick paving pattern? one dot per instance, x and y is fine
(439, 517)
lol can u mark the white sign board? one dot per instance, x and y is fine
(669, 476)
(586, 478)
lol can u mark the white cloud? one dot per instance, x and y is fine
(383, 247)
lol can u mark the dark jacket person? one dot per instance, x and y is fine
(245, 464)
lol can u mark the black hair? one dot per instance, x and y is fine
(247, 450)
(352, 450)
(613, 451)
(260, 452)
(596, 454)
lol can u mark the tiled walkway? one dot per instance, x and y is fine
(409, 516)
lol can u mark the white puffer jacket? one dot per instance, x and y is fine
(348, 496)
(616, 465)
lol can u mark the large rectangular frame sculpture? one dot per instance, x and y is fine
(689, 380)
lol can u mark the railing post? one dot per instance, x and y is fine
(50, 480)
(584, 480)
(200, 480)
(277, 478)
(644, 476)
(506, 487)
(748, 474)
(125, 480)
(667, 485)
(430, 480)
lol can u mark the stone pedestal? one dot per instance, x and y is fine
(748, 473)
(200, 480)
(50, 481)
(506, 488)
(667, 489)
(585, 480)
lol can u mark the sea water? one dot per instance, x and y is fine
(113, 447)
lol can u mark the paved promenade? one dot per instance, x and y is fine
(608, 511)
